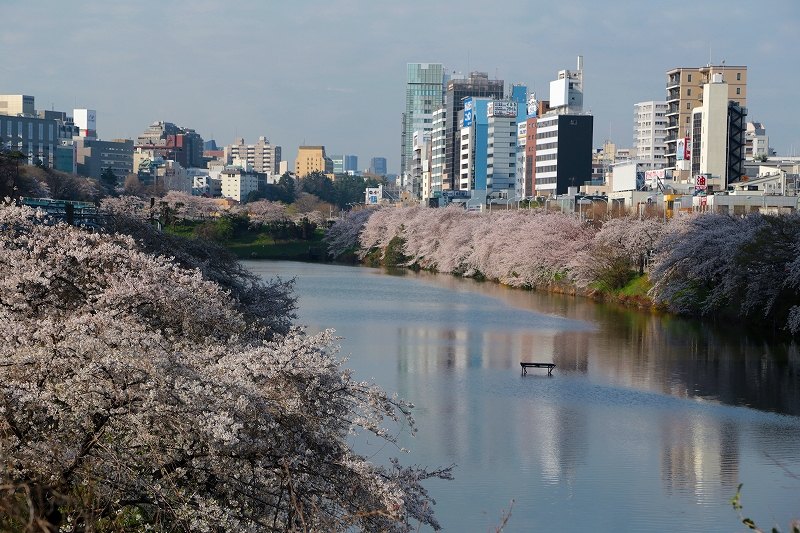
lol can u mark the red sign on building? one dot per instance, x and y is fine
(700, 183)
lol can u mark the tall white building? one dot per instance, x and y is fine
(757, 141)
(236, 183)
(566, 92)
(522, 133)
(718, 135)
(417, 176)
(438, 142)
(263, 157)
(501, 151)
(710, 130)
(649, 134)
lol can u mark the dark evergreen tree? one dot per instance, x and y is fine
(320, 185)
(109, 181)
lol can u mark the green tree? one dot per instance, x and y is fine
(253, 196)
(319, 185)
(350, 189)
(284, 191)
(109, 181)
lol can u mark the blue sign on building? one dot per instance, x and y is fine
(469, 113)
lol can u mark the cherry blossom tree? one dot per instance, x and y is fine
(740, 265)
(265, 212)
(617, 250)
(343, 235)
(138, 396)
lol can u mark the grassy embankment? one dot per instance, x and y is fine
(253, 244)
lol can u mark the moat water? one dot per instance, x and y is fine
(648, 423)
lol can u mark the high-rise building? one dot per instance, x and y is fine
(563, 152)
(684, 93)
(172, 143)
(757, 141)
(718, 135)
(94, 156)
(33, 136)
(377, 166)
(566, 92)
(312, 159)
(473, 145)
(438, 141)
(478, 85)
(16, 104)
(563, 137)
(423, 95)
(86, 122)
(344, 164)
(417, 177)
(649, 132)
(501, 152)
(262, 156)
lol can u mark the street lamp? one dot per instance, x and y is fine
(581, 203)
(508, 202)
(607, 205)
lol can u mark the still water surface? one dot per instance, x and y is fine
(649, 423)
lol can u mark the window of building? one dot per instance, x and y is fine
(688, 92)
(688, 105)
(738, 90)
(687, 120)
(689, 77)
(738, 76)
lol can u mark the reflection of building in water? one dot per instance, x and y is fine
(433, 350)
(700, 458)
(571, 350)
(430, 351)
(556, 435)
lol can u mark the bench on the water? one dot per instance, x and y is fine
(548, 366)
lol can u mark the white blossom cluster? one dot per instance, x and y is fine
(137, 396)
(518, 248)
(343, 235)
(698, 264)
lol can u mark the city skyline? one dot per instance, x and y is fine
(334, 73)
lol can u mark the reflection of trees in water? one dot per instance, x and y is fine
(697, 360)
(650, 351)
(699, 457)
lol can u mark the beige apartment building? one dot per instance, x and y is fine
(685, 93)
(16, 104)
(311, 158)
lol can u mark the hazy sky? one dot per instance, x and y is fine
(332, 72)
